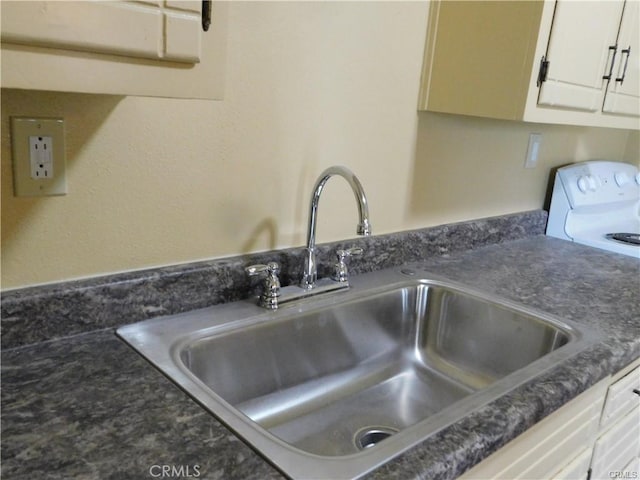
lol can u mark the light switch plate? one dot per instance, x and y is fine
(533, 150)
(25, 134)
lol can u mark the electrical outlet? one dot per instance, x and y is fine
(39, 165)
(40, 157)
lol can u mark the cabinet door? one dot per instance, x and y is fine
(166, 31)
(621, 398)
(146, 47)
(619, 446)
(578, 53)
(623, 94)
(577, 469)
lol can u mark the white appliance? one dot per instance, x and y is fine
(597, 203)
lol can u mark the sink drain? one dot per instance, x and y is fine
(370, 436)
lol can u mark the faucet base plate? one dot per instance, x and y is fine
(294, 293)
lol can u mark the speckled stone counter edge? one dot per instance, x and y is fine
(41, 313)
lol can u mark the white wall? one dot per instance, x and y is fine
(309, 84)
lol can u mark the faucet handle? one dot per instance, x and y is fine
(271, 292)
(349, 252)
(257, 269)
(341, 271)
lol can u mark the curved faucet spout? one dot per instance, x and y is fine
(363, 228)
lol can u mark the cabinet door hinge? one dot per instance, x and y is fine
(542, 73)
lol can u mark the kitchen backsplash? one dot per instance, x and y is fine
(41, 313)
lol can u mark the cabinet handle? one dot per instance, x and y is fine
(206, 14)
(624, 69)
(636, 391)
(613, 60)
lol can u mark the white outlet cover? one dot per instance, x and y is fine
(25, 134)
(41, 157)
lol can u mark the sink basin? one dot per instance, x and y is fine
(341, 384)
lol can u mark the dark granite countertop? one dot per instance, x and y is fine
(86, 406)
(581, 284)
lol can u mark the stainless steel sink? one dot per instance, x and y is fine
(339, 385)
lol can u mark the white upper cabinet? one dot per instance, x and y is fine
(578, 53)
(155, 48)
(565, 61)
(623, 94)
(144, 30)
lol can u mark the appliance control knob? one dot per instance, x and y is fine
(583, 184)
(621, 178)
(587, 183)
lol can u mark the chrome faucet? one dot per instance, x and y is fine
(310, 274)
(273, 295)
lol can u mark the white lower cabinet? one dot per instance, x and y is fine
(577, 469)
(595, 436)
(616, 453)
